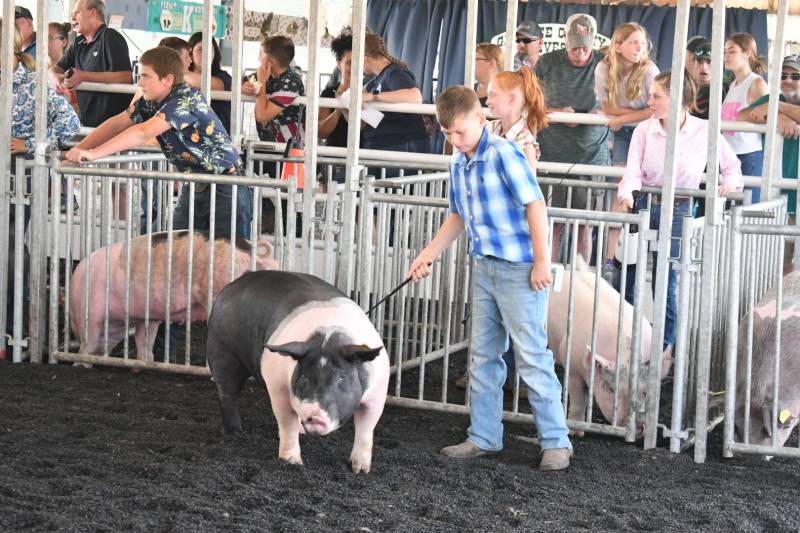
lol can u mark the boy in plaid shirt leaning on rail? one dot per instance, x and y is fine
(495, 197)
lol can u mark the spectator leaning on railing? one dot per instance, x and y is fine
(98, 55)
(741, 58)
(646, 167)
(567, 78)
(788, 128)
(622, 84)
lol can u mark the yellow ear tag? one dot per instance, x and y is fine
(365, 345)
(784, 416)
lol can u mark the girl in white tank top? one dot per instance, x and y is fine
(742, 59)
(737, 99)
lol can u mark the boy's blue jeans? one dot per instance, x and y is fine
(504, 304)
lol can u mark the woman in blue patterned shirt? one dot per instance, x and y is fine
(62, 122)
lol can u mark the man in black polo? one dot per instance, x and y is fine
(99, 55)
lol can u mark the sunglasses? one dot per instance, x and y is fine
(702, 54)
(525, 40)
(794, 75)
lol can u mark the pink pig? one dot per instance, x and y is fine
(179, 300)
(580, 355)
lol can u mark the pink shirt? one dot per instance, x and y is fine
(647, 153)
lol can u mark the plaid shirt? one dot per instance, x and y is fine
(490, 193)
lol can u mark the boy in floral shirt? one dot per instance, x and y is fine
(190, 135)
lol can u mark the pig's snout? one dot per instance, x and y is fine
(315, 420)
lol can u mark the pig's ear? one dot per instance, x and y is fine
(602, 363)
(295, 350)
(359, 353)
(264, 248)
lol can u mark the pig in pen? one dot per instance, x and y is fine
(135, 283)
(762, 395)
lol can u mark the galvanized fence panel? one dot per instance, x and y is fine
(684, 424)
(761, 402)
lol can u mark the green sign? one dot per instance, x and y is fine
(183, 18)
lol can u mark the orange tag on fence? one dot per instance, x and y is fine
(294, 169)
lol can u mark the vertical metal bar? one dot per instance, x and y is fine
(38, 233)
(315, 24)
(777, 363)
(684, 283)
(346, 238)
(732, 335)
(471, 37)
(638, 311)
(20, 183)
(773, 165)
(208, 51)
(128, 260)
(55, 237)
(236, 23)
(512, 10)
(665, 225)
(6, 103)
(105, 232)
(713, 219)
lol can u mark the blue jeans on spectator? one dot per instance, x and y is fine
(222, 214)
(752, 165)
(622, 141)
(202, 220)
(680, 210)
(503, 303)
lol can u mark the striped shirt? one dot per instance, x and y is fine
(490, 193)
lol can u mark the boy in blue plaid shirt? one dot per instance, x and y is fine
(494, 196)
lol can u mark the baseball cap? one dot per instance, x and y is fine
(693, 42)
(22, 13)
(792, 61)
(581, 29)
(530, 30)
(702, 51)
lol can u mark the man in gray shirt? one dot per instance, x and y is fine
(567, 78)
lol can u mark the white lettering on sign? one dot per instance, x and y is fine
(554, 34)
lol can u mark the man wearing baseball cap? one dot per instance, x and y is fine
(24, 22)
(788, 128)
(529, 43)
(567, 78)
(700, 70)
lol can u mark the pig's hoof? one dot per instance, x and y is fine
(82, 365)
(361, 463)
(293, 457)
(576, 433)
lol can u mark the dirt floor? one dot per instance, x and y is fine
(104, 449)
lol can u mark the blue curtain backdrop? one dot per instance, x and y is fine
(419, 31)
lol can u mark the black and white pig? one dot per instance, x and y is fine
(763, 366)
(317, 352)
